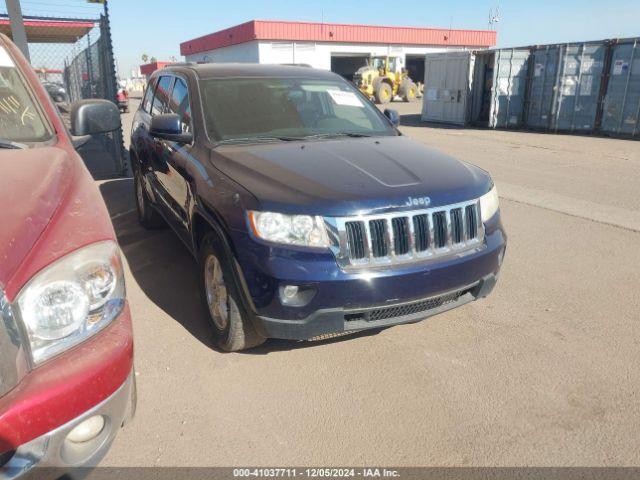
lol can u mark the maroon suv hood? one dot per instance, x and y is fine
(32, 185)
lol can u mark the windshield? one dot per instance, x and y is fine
(249, 108)
(20, 121)
(378, 62)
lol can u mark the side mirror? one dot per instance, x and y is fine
(168, 126)
(393, 117)
(89, 117)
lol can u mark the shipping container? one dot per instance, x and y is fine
(499, 88)
(621, 111)
(542, 90)
(486, 87)
(447, 86)
(589, 87)
(565, 86)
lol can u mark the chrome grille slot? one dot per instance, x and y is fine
(400, 235)
(421, 232)
(457, 228)
(471, 221)
(378, 231)
(355, 239)
(380, 240)
(439, 229)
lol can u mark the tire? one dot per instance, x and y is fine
(148, 217)
(383, 93)
(232, 328)
(409, 91)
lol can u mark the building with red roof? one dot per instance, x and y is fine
(342, 48)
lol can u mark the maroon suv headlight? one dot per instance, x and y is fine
(72, 299)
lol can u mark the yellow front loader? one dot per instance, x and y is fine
(383, 79)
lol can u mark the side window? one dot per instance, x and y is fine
(179, 104)
(148, 96)
(161, 99)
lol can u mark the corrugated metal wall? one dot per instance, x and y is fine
(328, 32)
(579, 87)
(336, 32)
(542, 88)
(590, 87)
(621, 111)
(565, 86)
(510, 73)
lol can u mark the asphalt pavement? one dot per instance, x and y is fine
(544, 372)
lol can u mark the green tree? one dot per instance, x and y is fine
(145, 58)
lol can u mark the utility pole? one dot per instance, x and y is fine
(18, 31)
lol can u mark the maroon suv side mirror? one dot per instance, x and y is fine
(90, 117)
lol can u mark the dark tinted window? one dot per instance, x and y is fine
(179, 104)
(161, 98)
(246, 108)
(148, 96)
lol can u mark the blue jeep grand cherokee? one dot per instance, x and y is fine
(309, 213)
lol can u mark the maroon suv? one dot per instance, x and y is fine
(66, 347)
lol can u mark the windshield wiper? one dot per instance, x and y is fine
(258, 140)
(285, 138)
(354, 134)
(9, 144)
(340, 134)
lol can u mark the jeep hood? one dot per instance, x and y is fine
(349, 176)
(32, 185)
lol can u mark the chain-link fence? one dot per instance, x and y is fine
(70, 49)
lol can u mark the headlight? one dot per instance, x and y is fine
(489, 204)
(72, 299)
(304, 230)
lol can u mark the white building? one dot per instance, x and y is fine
(336, 47)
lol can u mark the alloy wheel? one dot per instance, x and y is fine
(216, 292)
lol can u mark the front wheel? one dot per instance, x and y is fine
(148, 217)
(409, 91)
(383, 93)
(232, 329)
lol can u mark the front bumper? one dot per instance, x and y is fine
(52, 454)
(345, 301)
(336, 321)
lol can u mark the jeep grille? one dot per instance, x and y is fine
(406, 237)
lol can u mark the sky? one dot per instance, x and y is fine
(157, 27)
